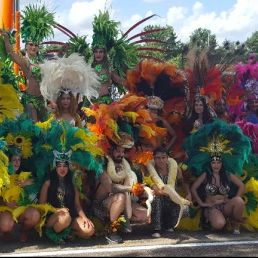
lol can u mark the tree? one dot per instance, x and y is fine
(252, 43)
(202, 38)
(166, 40)
(229, 52)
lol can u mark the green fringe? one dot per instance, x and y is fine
(58, 238)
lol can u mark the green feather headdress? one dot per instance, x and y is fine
(123, 53)
(36, 24)
(67, 143)
(219, 138)
(105, 31)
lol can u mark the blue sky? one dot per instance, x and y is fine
(227, 19)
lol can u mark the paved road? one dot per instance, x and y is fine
(140, 243)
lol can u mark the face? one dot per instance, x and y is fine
(161, 160)
(16, 161)
(62, 169)
(198, 107)
(216, 165)
(99, 54)
(65, 101)
(32, 49)
(118, 154)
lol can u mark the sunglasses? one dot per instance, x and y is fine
(32, 44)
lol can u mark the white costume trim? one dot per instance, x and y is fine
(170, 187)
(71, 73)
(129, 177)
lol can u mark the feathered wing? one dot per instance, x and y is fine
(68, 73)
(236, 147)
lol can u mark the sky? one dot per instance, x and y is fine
(227, 19)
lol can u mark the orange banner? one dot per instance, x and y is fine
(17, 38)
(7, 14)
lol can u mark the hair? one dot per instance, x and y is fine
(224, 180)
(69, 191)
(194, 116)
(72, 108)
(161, 150)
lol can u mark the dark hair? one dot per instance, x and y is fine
(207, 117)
(161, 150)
(224, 180)
(69, 191)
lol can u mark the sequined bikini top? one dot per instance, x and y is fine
(212, 189)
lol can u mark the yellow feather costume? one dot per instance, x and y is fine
(10, 105)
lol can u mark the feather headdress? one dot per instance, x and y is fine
(68, 73)
(37, 23)
(217, 138)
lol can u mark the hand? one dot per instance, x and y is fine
(196, 124)
(62, 211)
(25, 182)
(3, 32)
(188, 197)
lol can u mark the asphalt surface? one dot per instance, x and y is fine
(140, 243)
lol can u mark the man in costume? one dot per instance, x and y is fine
(113, 196)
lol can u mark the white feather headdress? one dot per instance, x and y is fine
(68, 73)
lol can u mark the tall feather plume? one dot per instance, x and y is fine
(68, 73)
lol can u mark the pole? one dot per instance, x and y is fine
(17, 35)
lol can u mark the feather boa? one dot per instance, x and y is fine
(130, 179)
(126, 174)
(170, 187)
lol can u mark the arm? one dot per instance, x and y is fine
(171, 131)
(78, 204)
(239, 184)
(111, 187)
(157, 191)
(118, 80)
(15, 57)
(194, 188)
(117, 188)
(43, 192)
(80, 210)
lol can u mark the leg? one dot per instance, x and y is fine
(29, 219)
(116, 206)
(32, 112)
(171, 213)
(216, 219)
(235, 210)
(156, 214)
(6, 225)
(59, 221)
(82, 230)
